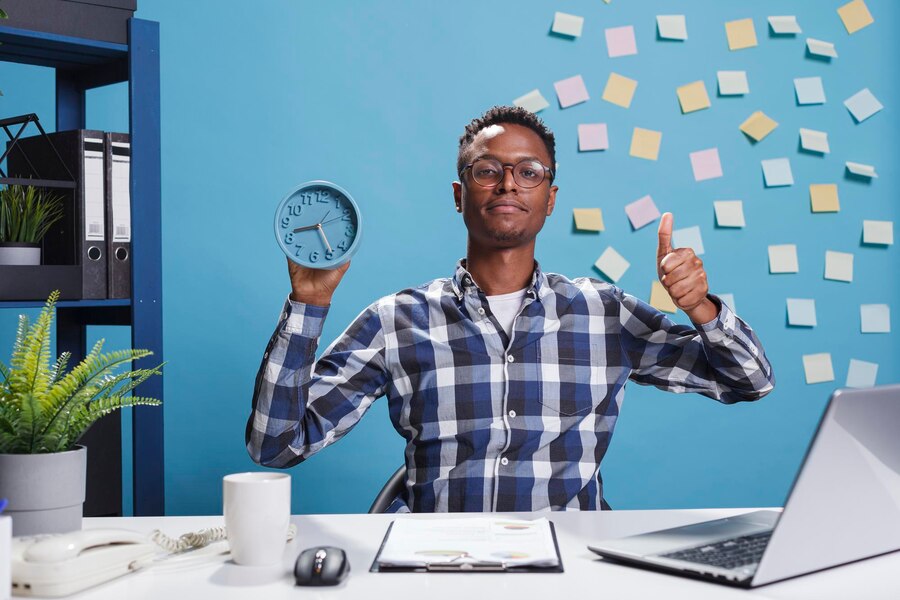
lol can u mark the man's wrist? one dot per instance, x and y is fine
(313, 300)
(704, 312)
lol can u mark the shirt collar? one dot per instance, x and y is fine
(462, 280)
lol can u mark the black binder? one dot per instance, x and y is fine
(118, 214)
(79, 237)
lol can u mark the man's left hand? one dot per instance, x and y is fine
(681, 273)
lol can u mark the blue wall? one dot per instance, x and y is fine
(374, 96)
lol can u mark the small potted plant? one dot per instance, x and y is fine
(26, 214)
(44, 409)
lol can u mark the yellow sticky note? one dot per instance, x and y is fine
(741, 34)
(588, 219)
(758, 125)
(619, 90)
(855, 16)
(693, 97)
(645, 143)
(660, 299)
(824, 197)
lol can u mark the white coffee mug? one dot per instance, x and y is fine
(257, 508)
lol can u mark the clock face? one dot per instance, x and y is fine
(318, 225)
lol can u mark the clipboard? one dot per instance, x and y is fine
(466, 567)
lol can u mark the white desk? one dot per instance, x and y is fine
(586, 576)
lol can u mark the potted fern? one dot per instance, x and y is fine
(44, 409)
(26, 215)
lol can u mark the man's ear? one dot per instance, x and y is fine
(457, 195)
(551, 201)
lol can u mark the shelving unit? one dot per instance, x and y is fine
(80, 65)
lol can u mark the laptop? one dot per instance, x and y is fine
(844, 506)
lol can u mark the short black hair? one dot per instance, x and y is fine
(506, 114)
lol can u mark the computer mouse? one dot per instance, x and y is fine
(321, 565)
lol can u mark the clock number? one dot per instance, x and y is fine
(295, 210)
(313, 256)
(343, 245)
(289, 238)
(338, 200)
(322, 195)
(299, 247)
(329, 254)
(350, 231)
(346, 216)
(305, 198)
(285, 222)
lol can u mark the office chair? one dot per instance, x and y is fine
(393, 488)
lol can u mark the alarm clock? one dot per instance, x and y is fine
(318, 225)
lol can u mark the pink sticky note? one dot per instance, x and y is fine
(620, 41)
(706, 164)
(571, 91)
(640, 212)
(592, 136)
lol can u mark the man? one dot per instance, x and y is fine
(505, 381)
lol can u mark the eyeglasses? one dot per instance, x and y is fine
(528, 173)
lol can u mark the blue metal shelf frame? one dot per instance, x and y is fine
(80, 65)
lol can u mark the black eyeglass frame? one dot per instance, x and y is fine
(547, 170)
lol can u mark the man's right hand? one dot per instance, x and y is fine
(314, 286)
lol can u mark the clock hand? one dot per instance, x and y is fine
(331, 220)
(325, 239)
(325, 217)
(305, 228)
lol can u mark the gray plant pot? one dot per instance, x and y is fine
(45, 491)
(14, 253)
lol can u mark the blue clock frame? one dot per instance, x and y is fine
(318, 225)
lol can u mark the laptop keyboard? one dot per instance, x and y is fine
(729, 554)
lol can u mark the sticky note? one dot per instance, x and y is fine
(810, 90)
(532, 101)
(783, 259)
(777, 172)
(801, 312)
(728, 300)
(592, 136)
(855, 16)
(741, 34)
(729, 213)
(838, 266)
(733, 83)
(620, 41)
(619, 90)
(821, 48)
(758, 125)
(783, 25)
(645, 143)
(878, 232)
(817, 368)
(571, 91)
(692, 97)
(689, 237)
(861, 169)
(875, 318)
(823, 197)
(814, 141)
(641, 212)
(671, 27)
(660, 298)
(861, 374)
(862, 105)
(588, 219)
(566, 24)
(706, 164)
(612, 264)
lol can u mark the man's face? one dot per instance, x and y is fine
(506, 215)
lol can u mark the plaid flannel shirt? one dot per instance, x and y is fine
(492, 422)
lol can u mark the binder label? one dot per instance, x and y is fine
(93, 191)
(121, 191)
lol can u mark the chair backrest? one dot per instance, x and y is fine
(391, 490)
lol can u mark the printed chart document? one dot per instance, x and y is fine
(469, 544)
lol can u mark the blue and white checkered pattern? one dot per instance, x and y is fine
(492, 423)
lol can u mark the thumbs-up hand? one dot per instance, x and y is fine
(681, 273)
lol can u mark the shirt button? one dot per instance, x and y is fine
(512, 414)
(510, 358)
(480, 311)
(504, 461)
(266, 355)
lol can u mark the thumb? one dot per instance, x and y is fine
(665, 236)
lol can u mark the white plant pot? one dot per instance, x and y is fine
(15, 253)
(45, 491)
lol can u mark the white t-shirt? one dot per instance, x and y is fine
(506, 306)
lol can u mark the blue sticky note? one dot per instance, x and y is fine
(801, 312)
(689, 237)
(875, 318)
(777, 172)
(809, 90)
(862, 105)
(861, 374)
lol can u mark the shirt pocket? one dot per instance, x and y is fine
(567, 382)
